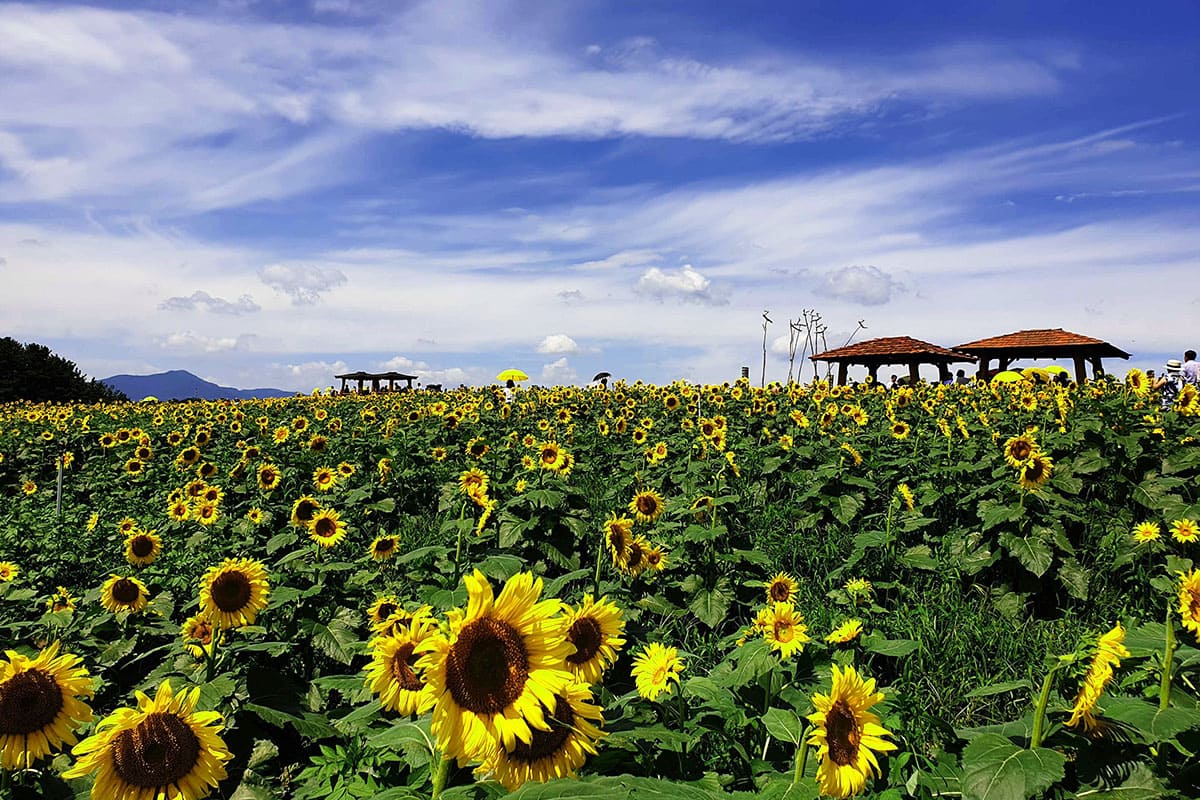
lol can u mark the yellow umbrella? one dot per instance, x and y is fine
(1007, 376)
(149, 399)
(514, 375)
(1055, 368)
(1036, 374)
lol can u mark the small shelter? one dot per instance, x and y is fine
(1043, 343)
(375, 378)
(904, 350)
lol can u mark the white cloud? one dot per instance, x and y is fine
(195, 343)
(557, 343)
(304, 283)
(682, 284)
(559, 373)
(866, 285)
(200, 299)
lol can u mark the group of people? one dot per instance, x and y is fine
(1176, 374)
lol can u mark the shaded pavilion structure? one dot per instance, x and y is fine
(1043, 343)
(892, 350)
(376, 379)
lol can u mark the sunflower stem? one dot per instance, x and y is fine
(1039, 712)
(599, 564)
(1164, 689)
(801, 757)
(440, 775)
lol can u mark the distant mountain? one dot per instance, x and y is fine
(178, 384)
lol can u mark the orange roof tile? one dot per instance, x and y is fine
(903, 346)
(1043, 339)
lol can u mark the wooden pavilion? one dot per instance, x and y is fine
(1043, 343)
(903, 350)
(376, 378)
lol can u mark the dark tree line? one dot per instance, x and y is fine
(32, 372)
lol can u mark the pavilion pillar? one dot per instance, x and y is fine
(343, 385)
(983, 366)
(873, 371)
(1080, 370)
(1097, 368)
(914, 373)
(1003, 364)
(943, 372)
(842, 373)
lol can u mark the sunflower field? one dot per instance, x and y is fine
(646, 592)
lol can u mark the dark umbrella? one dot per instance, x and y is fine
(601, 376)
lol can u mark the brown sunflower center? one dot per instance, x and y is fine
(1021, 450)
(636, 554)
(587, 637)
(780, 591)
(231, 591)
(385, 610)
(549, 455)
(547, 744)
(402, 669)
(385, 546)
(159, 751)
(618, 538)
(1035, 472)
(783, 631)
(487, 667)
(305, 511)
(647, 504)
(1193, 604)
(325, 527)
(29, 701)
(126, 592)
(141, 546)
(842, 733)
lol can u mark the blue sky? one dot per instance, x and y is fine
(268, 192)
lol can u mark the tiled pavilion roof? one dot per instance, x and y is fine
(1043, 343)
(892, 350)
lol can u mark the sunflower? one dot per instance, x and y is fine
(195, 488)
(40, 705)
(473, 483)
(847, 734)
(127, 526)
(905, 493)
(123, 594)
(848, 631)
(142, 548)
(1019, 449)
(1146, 532)
(1135, 379)
(554, 753)
(855, 456)
(1184, 530)
(392, 675)
(206, 513)
(303, 511)
(1110, 649)
(133, 467)
(654, 668)
(477, 447)
(61, 600)
(860, 590)
(618, 536)
(281, 435)
(501, 655)
(179, 511)
(438, 453)
(382, 609)
(702, 508)
(269, 477)
(595, 629)
(187, 457)
(785, 630)
(384, 547)
(8, 571)
(199, 629)
(93, 521)
(549, 455)
(232, 594)
(255, 515)
(636, 562)
(164, 748)
(782, 588)
(327, 528)
(324, 479)
(656, 558)
(1036, 472)
(1189, 600)
(646, 505)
